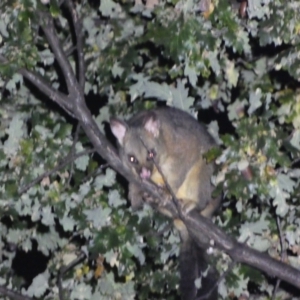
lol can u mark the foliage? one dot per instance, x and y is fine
(242, 73)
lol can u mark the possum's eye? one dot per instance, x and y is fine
(151, 154)
(132, 159)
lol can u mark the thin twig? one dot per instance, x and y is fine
(70, 50)
(168, 227)
(295, 161)
(98, 171)
(66, 161)
(282, 255)
(72, 152)
(174, 198)
(64, 269)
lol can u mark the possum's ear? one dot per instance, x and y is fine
(152, 125)
(119, 129)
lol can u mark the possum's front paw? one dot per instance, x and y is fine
(161, 201)
(187, 205)
(165, 197)
(149, 199)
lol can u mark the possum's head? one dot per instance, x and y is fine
(138, 142)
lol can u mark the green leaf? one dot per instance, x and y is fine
(81, 291)
(82, 162)
(39, 285)
(108, 7)
(99, 217)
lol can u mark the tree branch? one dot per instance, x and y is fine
(79, 43)
(13, 295)
(45, 87)
(198, 225)
(48, 90)
(49, 30)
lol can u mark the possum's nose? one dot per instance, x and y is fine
(145, 173)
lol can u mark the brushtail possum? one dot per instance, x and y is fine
(167, 145)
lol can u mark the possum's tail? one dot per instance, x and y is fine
(193, 262)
